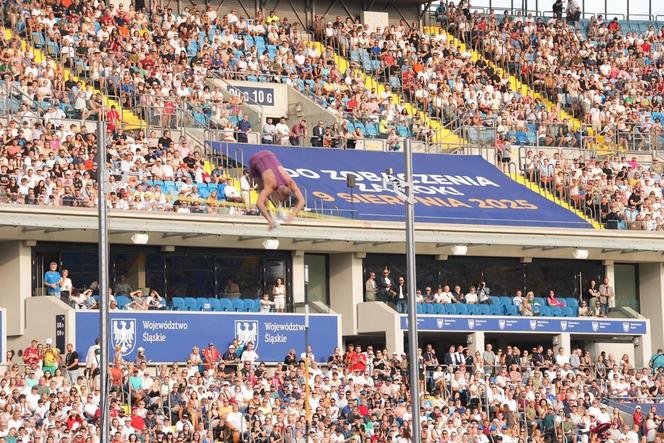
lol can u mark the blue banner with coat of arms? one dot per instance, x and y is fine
(170, 336)
(528, 324)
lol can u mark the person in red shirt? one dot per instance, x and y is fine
(211, 356)
(359, 361)
(348, 357)
(112, 118)
(614, 25)
(637, 416)
(74, 421)
(31, 354)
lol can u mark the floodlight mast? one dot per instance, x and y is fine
(404, 189)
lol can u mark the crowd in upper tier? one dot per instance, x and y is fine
(158, 62)
(607, 79)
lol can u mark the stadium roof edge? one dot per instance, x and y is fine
(331, 235)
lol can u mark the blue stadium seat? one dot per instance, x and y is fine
(484, 310)
(569, 312)
(463, 309)
(225, 304)
(249, 305)
(540, 301)
(473, 309)
(420, 308)
(238, 304)
(428, 308)
(190, 304)
(512, 310)
(178, 303)
(571, 303)
(556, 311)
(122, 301)
(497, 309)
(439, 308)
(452, 309)
(203, 304)
(545, 311)
(215, 304)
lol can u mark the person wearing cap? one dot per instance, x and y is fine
(53, 280)
(50, 357)
(211, 356)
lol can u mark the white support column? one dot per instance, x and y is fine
(643, 350)
(395, 339)
(16, 278)
(609, 272)
(347, 288)
(651, 290)
(475, 342)
(562, 340)
(297, 258)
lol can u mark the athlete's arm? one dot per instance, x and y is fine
(300, 200)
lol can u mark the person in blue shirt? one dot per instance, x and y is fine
(52, 280)
(657, 361)
(243, 128)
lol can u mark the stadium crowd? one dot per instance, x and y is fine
(621, 193)
(229, 394)
(148, 59)
(394, 291)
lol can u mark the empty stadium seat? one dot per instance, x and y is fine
(190, 304)
(512, 310)
(556, 311)
(497, 309)
(570, 312)
(215, 304)
(484, 310)
(249, 305)
(225, 305)
(178, 304)
(238, 304)
(571, 303)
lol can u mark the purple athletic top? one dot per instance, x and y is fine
(263, 161)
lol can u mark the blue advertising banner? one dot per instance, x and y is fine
(169, 336)
(527, 324)
(448, 188)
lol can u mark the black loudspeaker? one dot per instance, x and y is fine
(350, 180)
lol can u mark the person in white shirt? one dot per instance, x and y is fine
(236, 420)
(249, 354)
(518, 299)
(283, 132)
(444, 295)
(561, 358)
(471, 297)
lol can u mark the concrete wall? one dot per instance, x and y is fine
(302, 107)
(378, 317)
(16, 278)
(651, 289)
(40, 315)
(346, 289)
